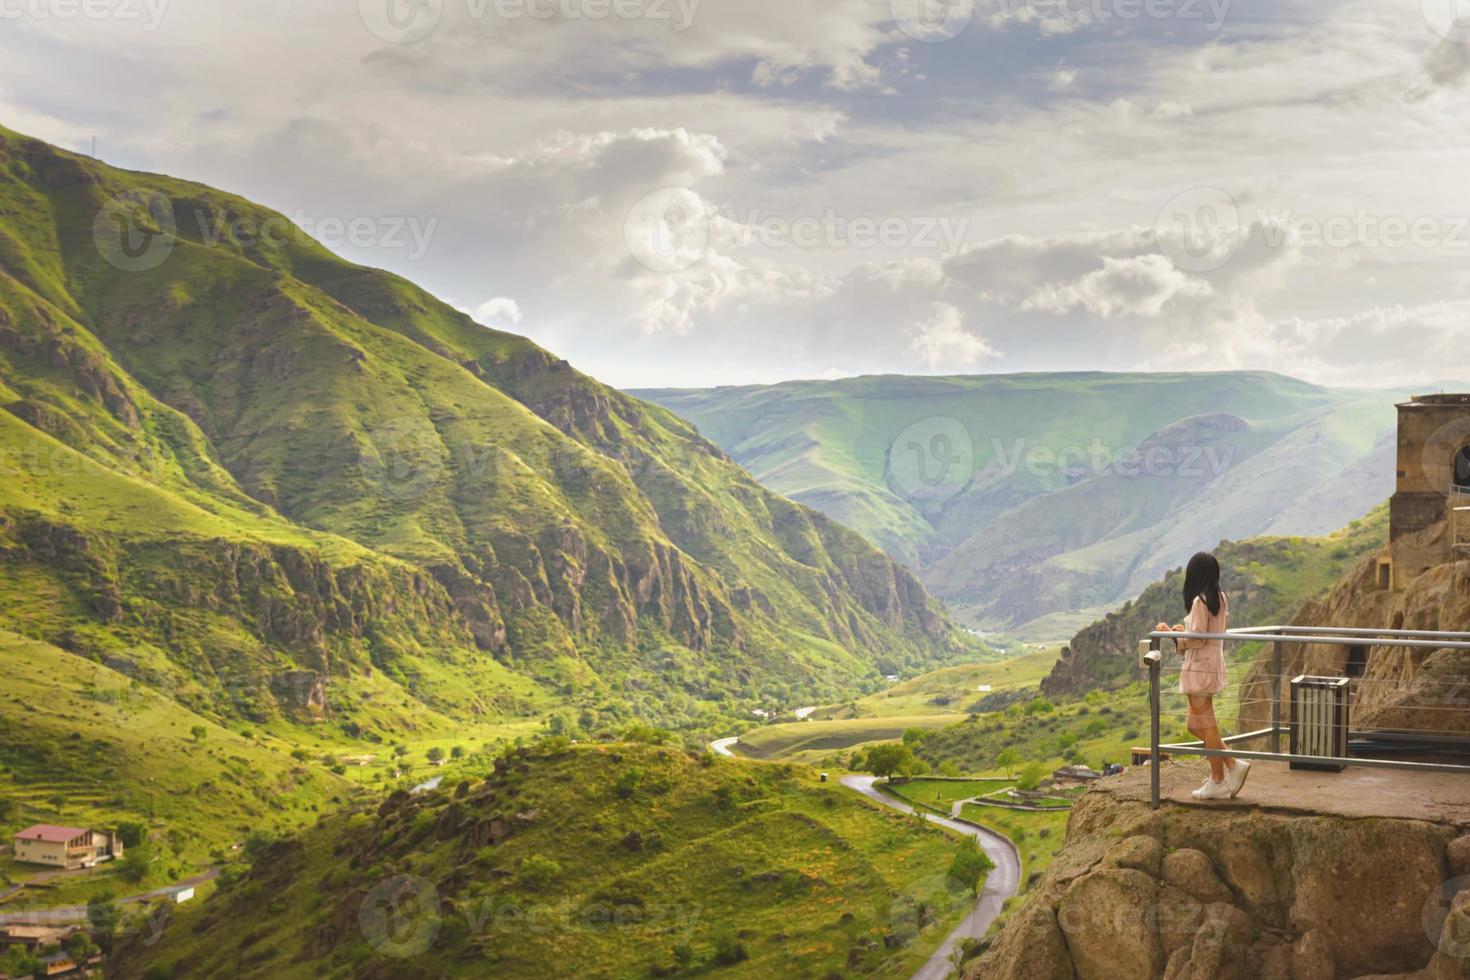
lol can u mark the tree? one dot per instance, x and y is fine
(256, 844)
(130, 832)
(1008, 759)
(887, 758)
(198, 732)
(21, 962)
(628, 783)
(457, 752)
(435, 755)
(103, 915)
(135, 861)
(913, 736)
(683, 955)
(1030, 777)
(971, 865)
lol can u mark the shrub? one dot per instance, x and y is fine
(729, 951)
(538, 870)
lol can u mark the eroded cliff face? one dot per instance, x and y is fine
(1201, 893)
(1415, 689)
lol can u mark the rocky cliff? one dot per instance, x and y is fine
(1415, 689)
(1240, 892)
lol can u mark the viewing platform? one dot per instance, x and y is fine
(1436, 797)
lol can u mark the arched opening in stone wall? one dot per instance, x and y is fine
(1462, 469)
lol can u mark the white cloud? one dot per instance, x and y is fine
(530, 142)
(942, 343)
(1141, 285)
(501, 311)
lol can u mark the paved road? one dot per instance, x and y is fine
(78, 913)
(1000, 884)
(721, 746)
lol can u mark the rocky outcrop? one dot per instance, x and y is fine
(1412, 689)
(1200, 893)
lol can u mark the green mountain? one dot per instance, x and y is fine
(613, 861)
(1023, 497)
(278, 486)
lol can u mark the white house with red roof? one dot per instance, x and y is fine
(66, 847)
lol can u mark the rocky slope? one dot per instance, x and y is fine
(228, 452)
(1268, 580)
(1415, 689)
(1216, 894)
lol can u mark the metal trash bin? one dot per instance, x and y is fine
(1319, 720)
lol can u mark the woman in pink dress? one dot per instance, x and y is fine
(1203, 674)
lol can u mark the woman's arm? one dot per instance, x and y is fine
(1198, 621)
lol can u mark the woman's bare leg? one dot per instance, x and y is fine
(1202, 724)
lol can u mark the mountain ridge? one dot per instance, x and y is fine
(259, 389)
(1043, 497)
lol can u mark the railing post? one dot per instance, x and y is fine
(1277, 657)
(1153, 657)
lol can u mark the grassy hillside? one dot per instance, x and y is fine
(620, 860)
(1018, 497)
(282, 488)
(85, 746)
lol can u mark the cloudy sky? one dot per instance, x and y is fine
(697, 192)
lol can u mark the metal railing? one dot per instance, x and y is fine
(1279, 636)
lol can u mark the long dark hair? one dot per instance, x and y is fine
(1202, 578)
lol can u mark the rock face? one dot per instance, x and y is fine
(1198, 893)
(1414, 689)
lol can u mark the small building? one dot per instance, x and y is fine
(66, 847)
(1432, 485)
(34, 936)
(1075, 774)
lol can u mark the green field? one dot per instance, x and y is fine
(940, 793)
(950, 689)
(615, 857)
(808, 741)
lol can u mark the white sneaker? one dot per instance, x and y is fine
(1235, 778)
(1212, 790)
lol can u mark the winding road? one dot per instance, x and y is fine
(1000, 884)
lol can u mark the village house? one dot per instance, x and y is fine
(66, 847)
